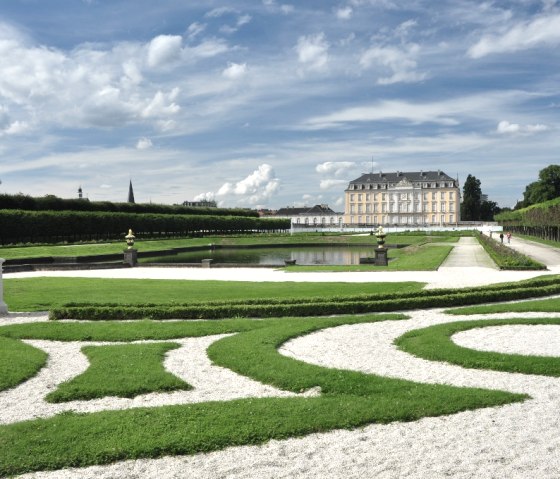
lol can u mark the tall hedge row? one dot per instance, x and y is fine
(18, 226)
(541, 220)
(53, 203)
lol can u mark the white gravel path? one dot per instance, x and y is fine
(513, 441)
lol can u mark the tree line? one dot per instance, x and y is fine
(20, 226)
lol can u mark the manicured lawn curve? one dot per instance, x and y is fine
(123, 371)
(550, 305)
(18, 362)
(434, 343)
(348, 400)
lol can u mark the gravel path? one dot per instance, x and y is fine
(513, 441)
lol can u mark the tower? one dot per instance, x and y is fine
(80, 193)
(130, 193)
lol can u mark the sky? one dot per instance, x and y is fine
(266, 104)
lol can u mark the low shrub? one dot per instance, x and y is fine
(507, 258)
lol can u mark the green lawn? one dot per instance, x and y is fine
(434, 343)
(348, 400)
(40, 294)
(551, 305)
(121, 370)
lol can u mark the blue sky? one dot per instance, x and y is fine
(272, 104)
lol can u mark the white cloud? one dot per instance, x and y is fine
(544, 30)
(208, 196)
(259, 186)
(344, 13)
(144, 144)
(328, 184)
(336, 168)
(235, 70)
(505, 127)
(313, 50)
(219, 12)
(195, 29)
(164, 49)
(401, 62)
(446, 112)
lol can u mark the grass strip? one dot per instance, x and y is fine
(434, 343)
(550, 305)
(406, 301)
(122, 371)
(349, 400)
(41, 294)
(18, 362)
(507, 258)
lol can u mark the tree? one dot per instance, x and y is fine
(547, 187)
(472, 199)
(488, 209)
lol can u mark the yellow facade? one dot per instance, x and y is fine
(403, 199)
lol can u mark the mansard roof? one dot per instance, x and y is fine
(396, 176)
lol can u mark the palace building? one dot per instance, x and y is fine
(418, 198)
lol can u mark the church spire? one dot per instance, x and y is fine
(130, 193)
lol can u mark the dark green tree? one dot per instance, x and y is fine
(472, 199)
(488, 209)
(547, 187)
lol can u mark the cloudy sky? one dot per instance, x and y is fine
(266, 103)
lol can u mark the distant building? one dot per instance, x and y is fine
(201, 204)
(403, 199)
(130, 193)
(318, 215)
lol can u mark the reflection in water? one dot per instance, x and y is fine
(272, 256)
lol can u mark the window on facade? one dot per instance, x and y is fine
(434, 207)
(360, 197)
(359, 220)
(314, 221)
(451, 198)
(367, 220)
(368, 207)
(442, 208)
(451, 218)
(451, 206)
(332, 220)
(434, 196)
(359, 208)
(306, 221)
(375, 219)
(351, 196)
(433, 218)
(443, 195)
(384, 208)
(442, 218)
(297, 221)
(368, 197)
(425, 196)
(384, 196)
(352, 209)
(323, 220)
(392, 207)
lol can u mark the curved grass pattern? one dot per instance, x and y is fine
(18, 362)
(348, 400)
(434, 343)
(123, 371)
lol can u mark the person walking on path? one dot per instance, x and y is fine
(502, 237)
(508, 235)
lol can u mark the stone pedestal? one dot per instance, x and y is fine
(3, 307)
(381, 257)
(206, 263)
(131, 256)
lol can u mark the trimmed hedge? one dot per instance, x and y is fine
(314, 307)
(53, 203)
(19, 226)
(541, 220)
(507, 258)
